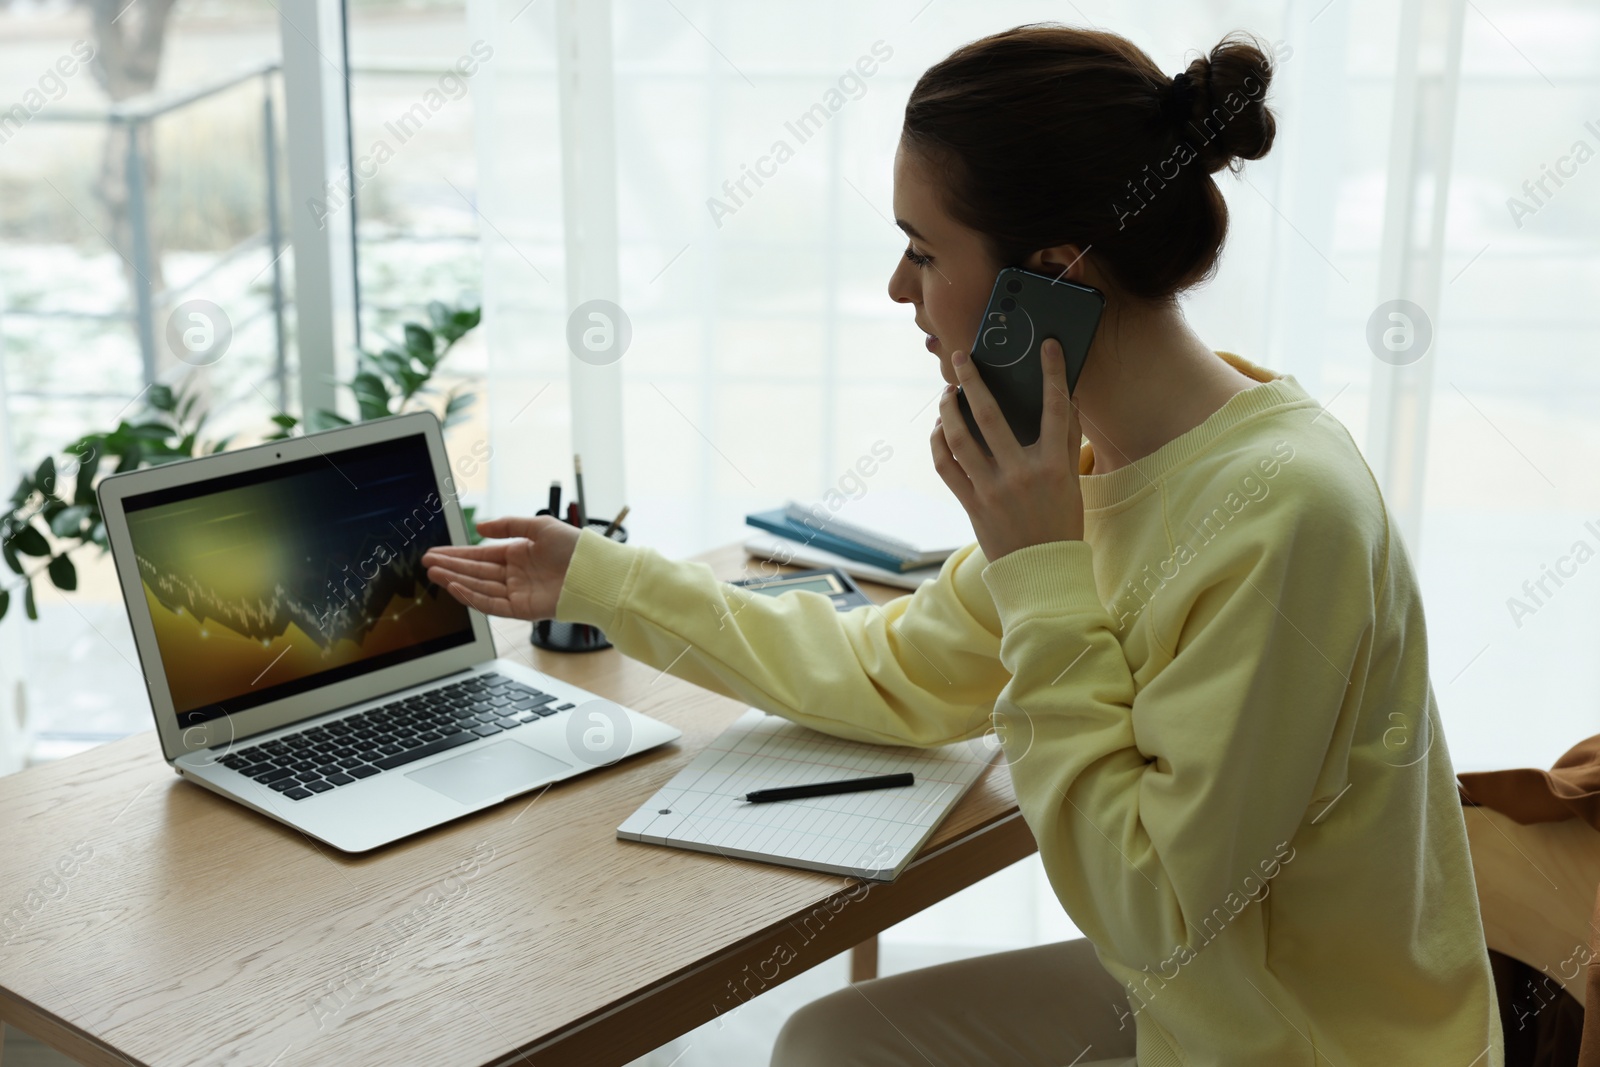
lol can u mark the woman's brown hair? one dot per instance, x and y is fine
(1047, 135)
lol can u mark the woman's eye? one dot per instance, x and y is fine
(919, 260)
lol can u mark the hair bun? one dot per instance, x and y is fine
(1229, 119)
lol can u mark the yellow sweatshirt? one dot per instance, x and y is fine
(1218, 720)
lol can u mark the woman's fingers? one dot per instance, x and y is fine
(959, 440)
(944, 461)
(487, 605)
(511, 526)
(996, 430)
(1058, 428)
(472, 568)
(483, 588)
(488, 553)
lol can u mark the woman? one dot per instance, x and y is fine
(1199, 635)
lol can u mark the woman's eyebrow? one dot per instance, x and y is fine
(911, 231)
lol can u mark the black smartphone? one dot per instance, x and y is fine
(1024, 309)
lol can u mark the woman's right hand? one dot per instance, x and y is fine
(519, 578)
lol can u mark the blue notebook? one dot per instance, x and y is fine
(777, 521)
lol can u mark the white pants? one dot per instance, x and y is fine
(1049, 1006)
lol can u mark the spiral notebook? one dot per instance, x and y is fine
(871, 835)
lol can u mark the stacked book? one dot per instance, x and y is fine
(897, 537)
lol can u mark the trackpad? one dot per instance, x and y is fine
(491, 771)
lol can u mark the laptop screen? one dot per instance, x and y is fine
(277, 581)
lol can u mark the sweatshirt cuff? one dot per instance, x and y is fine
(599, 576)
(1056, 578)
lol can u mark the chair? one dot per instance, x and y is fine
(1537, 894)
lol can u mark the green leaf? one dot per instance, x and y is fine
(455, 408)
(30, 542)
(10, 556)
(473, 536)
(45, 476)
(97, 534)
(24, 491)
(63, 573)
(28, 604)
(222, 444)
(5, 601)
(325, 420)
(372, 396)
(459, 324)
(410, 381)
(83, 492)
(439, 314)
(420, 344)
(389, 364)
(288, 422)
(160, 397)
(152, 431)
(69, 521)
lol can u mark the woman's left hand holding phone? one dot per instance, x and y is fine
(519, 578)
(1020, 496)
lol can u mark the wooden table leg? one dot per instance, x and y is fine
(864, 960)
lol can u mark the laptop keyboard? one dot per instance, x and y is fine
(380, 739)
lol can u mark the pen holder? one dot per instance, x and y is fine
(558, 636)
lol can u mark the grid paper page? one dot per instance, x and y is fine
(872, 835)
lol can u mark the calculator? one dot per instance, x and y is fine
(831, 582)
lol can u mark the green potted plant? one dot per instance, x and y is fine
(54, 512)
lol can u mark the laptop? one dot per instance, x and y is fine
(300, 662)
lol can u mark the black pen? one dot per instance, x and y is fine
(555, 499)
(822, 789)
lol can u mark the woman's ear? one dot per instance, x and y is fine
(1062, 261)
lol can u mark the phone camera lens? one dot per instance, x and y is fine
(1013, 286)
(1007, 304)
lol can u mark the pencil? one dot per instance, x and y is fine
(610, 529)
(577, 476)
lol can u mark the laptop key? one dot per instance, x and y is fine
(297, 794)
(389, 763)
(272, 776)
(340, 779)
(566, 707)
(529, 716)
(318, 786)
(362, 771)
(486, 729)
(285, 785)
(508, 722)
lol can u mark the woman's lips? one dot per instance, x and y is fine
(931, 343)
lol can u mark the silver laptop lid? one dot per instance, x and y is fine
(272, 584)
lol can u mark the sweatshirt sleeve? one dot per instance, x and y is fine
(923, 669)
(1153, 798)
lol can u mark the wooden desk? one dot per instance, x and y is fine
(153, 922)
